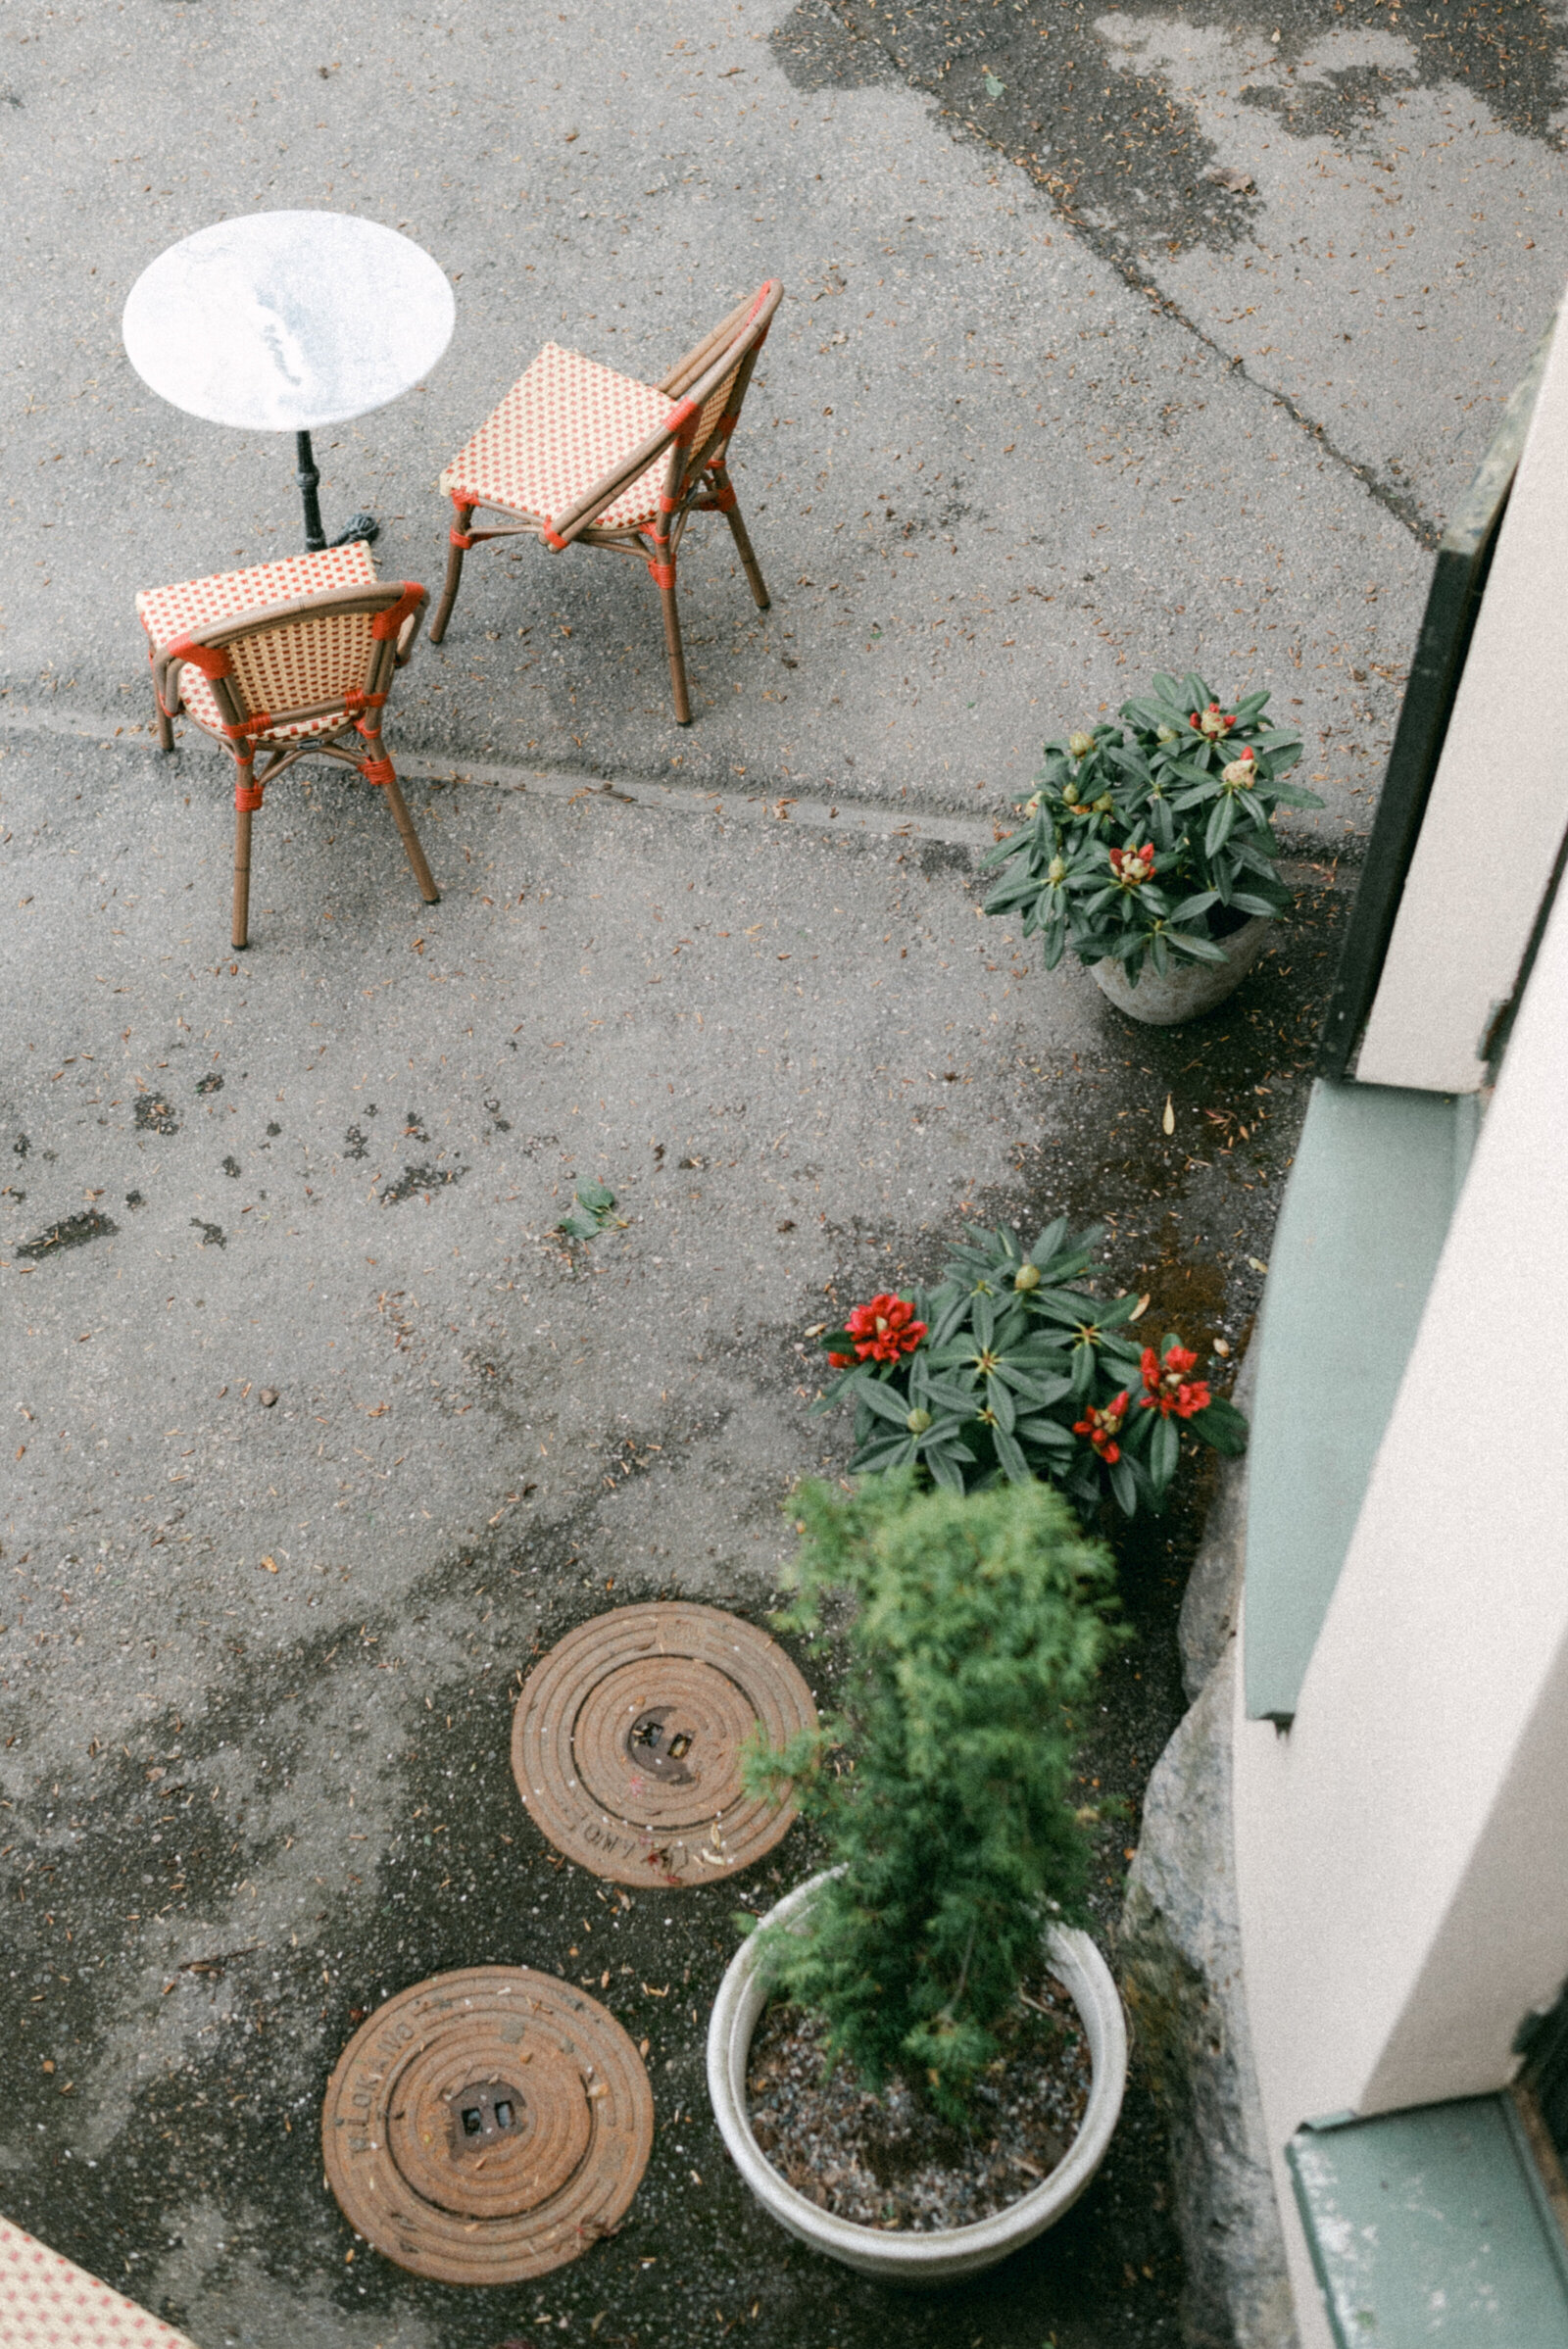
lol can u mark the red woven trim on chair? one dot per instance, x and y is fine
(387, 624)
(724, 497)
(211, 660)
(247, 798)
(379, 770)
(353, 701)
(668, 504)
(461, 538)
(556, 546)
(257, 723)
(682, 421)
(729, 422)
(663, 573)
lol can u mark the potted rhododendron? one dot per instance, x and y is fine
(1010, 1368)
(1149, 847)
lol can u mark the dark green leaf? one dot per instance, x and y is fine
(1220, 823)
(1196, 948)
(1124, 1486)
(886, 1401)
(1014, 1467)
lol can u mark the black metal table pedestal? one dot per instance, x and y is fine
(361, 526)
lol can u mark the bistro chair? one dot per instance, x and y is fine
(575, 452)
(293, 660)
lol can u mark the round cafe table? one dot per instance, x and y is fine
(288, 321)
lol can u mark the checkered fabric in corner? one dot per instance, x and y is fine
(45, 2303)
(287, 667)
(562, 427)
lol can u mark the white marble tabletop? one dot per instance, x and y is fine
(282, 321)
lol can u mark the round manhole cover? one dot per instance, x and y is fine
(626, 1743)
(487, 2126)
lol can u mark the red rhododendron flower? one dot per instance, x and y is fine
(1133, 867)
(1170, 1393)
(885, 1329)
(840, 1361)
(1212, 722)
(1103, 1427)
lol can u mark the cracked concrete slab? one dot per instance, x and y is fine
(1374, 210)
(259, 1653)
(321, 1431)
(989, 483)
(1356, 209)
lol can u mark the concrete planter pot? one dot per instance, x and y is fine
(1189, 989)
(905, 2257)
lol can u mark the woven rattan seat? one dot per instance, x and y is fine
(579, 453)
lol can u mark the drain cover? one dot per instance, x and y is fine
(626, 1743)
(487, 2126)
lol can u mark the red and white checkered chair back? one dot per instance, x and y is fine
(319, 657)
(297, 642)
(298, 667)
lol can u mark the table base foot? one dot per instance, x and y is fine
(362, 525)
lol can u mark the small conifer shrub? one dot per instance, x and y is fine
(942, 1784)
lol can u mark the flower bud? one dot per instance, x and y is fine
(1080, 744)
(918, 1422)
(1056, 870)
(1069, 793)
(1167, 734)
(1105, 804)
(1026, 1277)
(1241, 774)
(1031, 805)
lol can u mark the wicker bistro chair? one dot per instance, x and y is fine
(293, 660)
(575, 451)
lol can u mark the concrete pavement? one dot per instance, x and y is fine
(256, 1656)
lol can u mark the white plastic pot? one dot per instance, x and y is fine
(1188, 989)
(902, 2256)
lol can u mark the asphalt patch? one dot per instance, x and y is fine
(420, 1180)
(1121, 154)
(75, 1232)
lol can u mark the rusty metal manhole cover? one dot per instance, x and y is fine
(626, 1743)
(487, 2126)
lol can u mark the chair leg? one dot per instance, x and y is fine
(166, 730)
(749, 562)
(410, 842)
(242, 878)
(672, 643)
(449, 594)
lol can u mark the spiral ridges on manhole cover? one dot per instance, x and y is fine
(627, 1741)
(487, 2126)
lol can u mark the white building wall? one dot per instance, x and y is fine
(1499, 801)
(1402, 1851)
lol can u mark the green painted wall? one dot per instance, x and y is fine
(1433, 2226)
(1377, 1172)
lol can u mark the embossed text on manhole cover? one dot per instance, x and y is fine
(627, 1741)
(487, 2126)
